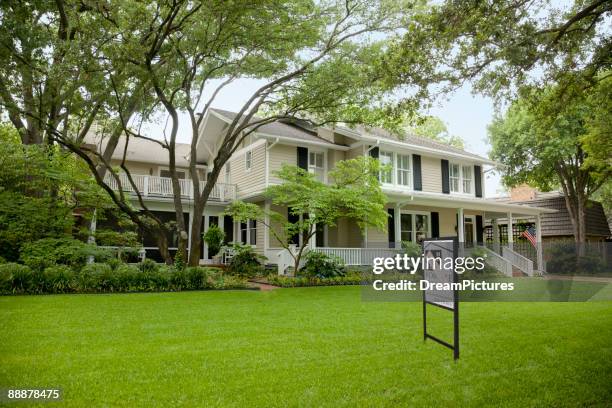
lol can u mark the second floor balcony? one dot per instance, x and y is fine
(156, 187)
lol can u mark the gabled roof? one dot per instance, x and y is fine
(280, 129)
(308, 134)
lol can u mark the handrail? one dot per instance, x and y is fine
(162, 187)
(358, 256)
(518, 260)
(497, 261)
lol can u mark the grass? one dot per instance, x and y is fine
(302, 347)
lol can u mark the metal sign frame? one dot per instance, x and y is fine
(454, 309)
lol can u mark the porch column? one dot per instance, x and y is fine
(397, 226)
(539, 249)
(509, 231)
(266, 227)
(460, 224)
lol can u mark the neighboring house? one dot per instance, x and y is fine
(556, 226)
(430, 186)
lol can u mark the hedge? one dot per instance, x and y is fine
(102, 278)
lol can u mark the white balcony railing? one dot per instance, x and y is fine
(152, 186)
(518, 260)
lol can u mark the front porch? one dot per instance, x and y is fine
(418, 218)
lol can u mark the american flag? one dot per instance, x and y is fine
(529, 233)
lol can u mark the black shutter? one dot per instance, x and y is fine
(374, 153)
(391, 227)
(445, 180)
(302, 158)
(435, 225)
(416, 172)
(478, 182)
(228, 228)
(479, 229)
(293, 218)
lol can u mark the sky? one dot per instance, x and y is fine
(464, 114)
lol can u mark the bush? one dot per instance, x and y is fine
(46, 252)
(95, 277)
(246, 262)
(214, 239)
(321, 265)
(16, 278)
(148, 265)
(564, 259)
(488, 269)
(412, 249)
(58, 279)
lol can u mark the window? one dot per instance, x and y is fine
(454, 176)
(460, 178)
(248, 160)
(414, 227)
(166, 173)
(228, 179)
(386, 159)
(253, 232)
(467, 179)
(406, 227)
(316, 165)
(403, 169)
(248, 232)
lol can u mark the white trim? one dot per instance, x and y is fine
(472, 219)
(318, 151)
(413, 230)
(300, 142)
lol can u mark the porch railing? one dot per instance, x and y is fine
(497, 261)
(153, 186)
(518, 260)
(359, 256)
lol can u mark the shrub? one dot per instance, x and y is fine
(16, 278)
(246, 262)
(214, 239)
(412, 249)
(95, 277)
(125, 278)
(321, 265)
(488, 269)
(46, 252)
(148, 265)
(58, 279)
(564, 259)
(201, 278)
(179, 262)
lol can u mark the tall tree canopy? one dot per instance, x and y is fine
(551, 146)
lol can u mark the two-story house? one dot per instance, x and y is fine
(433, 190)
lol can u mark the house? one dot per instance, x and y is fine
(556, 226)
(430, 186)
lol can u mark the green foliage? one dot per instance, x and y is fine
(320, 265)
(16, 278)
(148, 265)
(434, 128)
(564, 258)
(179, 261)
(246, 262)
(354, 193)
(58, 279)
(67, 251)
(350, 278)
(412, 249)
(214, 239)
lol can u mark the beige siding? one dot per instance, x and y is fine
(278, 155)
(253, 179)
(431, 173)
(358, 151)
(277, 227)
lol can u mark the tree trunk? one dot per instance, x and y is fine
(196, 233)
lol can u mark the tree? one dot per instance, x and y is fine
(553, 143)
(434, 128)
(505, 47)
(355, 194)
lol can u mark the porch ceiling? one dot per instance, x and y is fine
(467, 203)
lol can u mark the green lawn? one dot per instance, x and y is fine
(302, 347)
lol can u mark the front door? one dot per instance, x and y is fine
(469, 231)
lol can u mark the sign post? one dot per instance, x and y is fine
(435, 252)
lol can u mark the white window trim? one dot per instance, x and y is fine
(310, 150)
(394, 169)
(460, 186)
(413, 226)
(248, 158)
(248, 233)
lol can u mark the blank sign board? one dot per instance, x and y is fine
(434, 271)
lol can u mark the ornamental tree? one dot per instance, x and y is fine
(354, 193)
